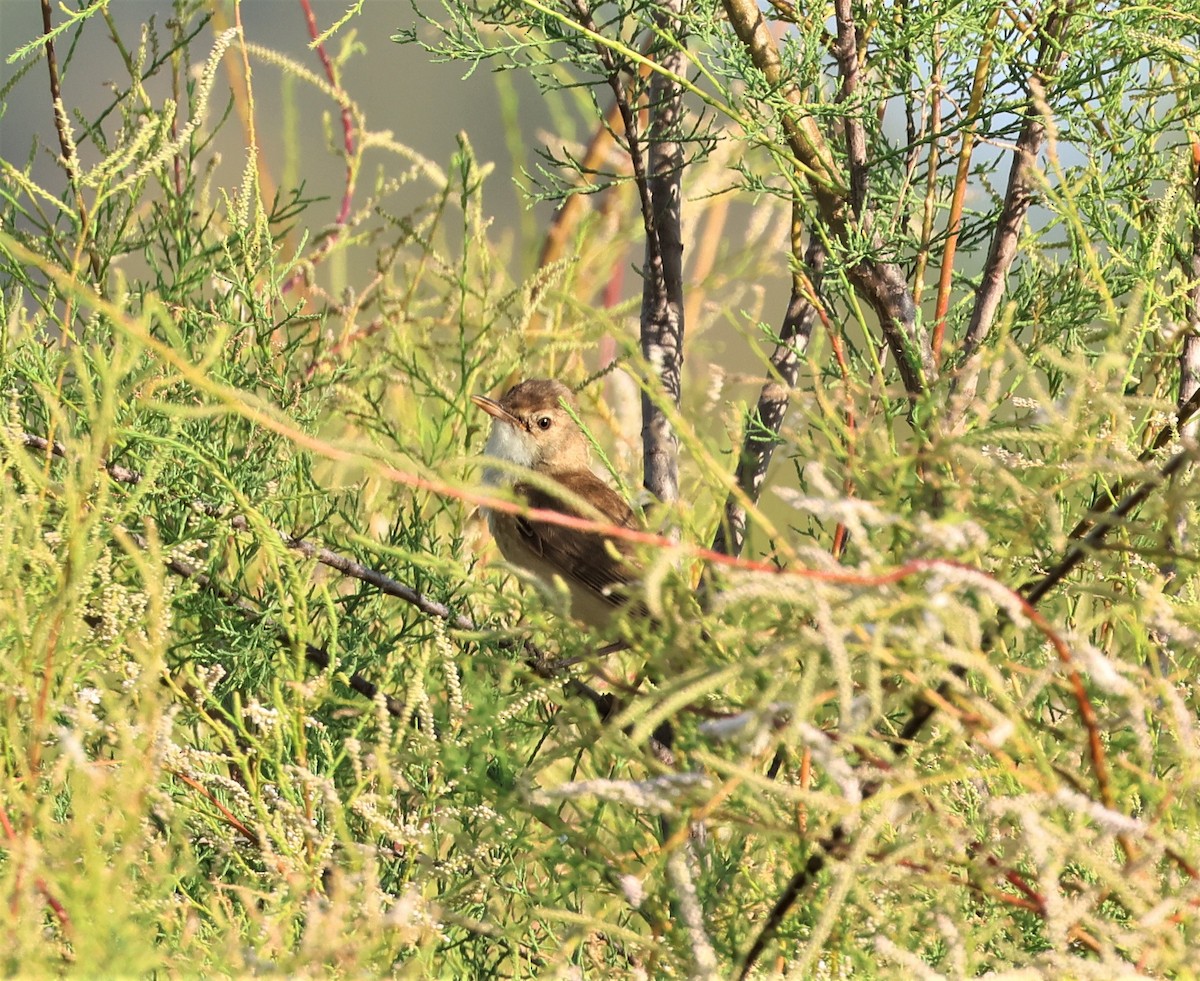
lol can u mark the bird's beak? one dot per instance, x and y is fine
(496, 410)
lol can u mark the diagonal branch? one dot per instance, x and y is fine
(1029, 596)
(962, 174)
(881, 283)
(66, 144)
(316, 656)
(534, 658)
(1017, 198)
(1189, 358)
(764, 423)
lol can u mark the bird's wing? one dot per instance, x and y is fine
(596, 561)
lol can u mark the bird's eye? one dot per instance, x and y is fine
(543, 422)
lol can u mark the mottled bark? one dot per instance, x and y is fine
(764, 423)
(662, 327)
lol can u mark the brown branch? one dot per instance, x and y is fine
(1029, 597)
(1189, 357)
(39, 883)
(1183, 423)
(657, 170)
(1017, 198)
(1104, 522)
(961, 178)
(70, 159)
(348, 148)
(845, 50)
(316, 656)
(1189, 369)
(356, 570)
(54, 448)
(567, 215)
(310, 20)
(881, 283)
(230, 818)
(347, 566)
(836, 842)
(933, 163)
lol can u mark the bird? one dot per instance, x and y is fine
(546, 465)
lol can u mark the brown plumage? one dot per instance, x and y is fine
(532, 431)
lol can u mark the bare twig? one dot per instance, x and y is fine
(66, 145)
(310, 20)
(1189, 370)
(230, 818)
(356, 570)
(1017, 198)
(961, 177)
(845, 50)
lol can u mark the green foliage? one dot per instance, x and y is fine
(191, 778)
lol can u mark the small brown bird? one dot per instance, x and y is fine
(532, 431)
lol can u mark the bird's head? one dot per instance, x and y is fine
(531, 429)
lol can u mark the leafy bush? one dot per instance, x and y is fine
(270, 701)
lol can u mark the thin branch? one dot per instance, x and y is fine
(1189, 367)
(924, 710)
(1183, 424)
(961, 179)
(348, 147)
(1103, 523)
(657, 180)
(122, 475)
(316, 656)
(933, 163)
(310, 20)
(845, 50)
(356, 570)
(1017, 198)
(883, 284)
(66, 145)
(534, 658)
(567, 214)
(764, 423)
(230, 818)
(1189, 357)
(836, 843)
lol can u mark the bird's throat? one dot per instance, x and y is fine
(512, 446)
